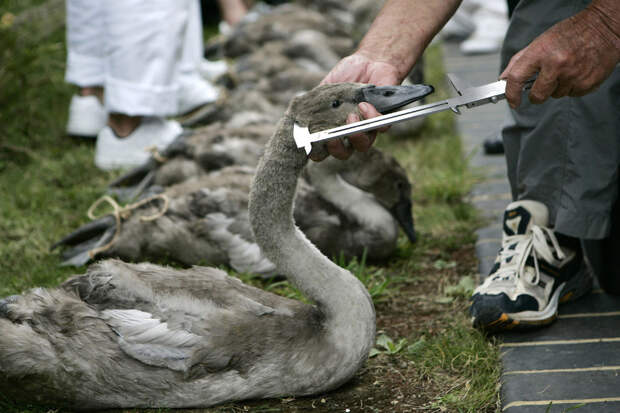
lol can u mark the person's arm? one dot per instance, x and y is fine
(572, 58)
(386, 54)
(396, 39)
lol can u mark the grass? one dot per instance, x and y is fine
(48, 181)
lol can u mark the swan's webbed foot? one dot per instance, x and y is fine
(132, 184)
(80, 242)
(127, 190)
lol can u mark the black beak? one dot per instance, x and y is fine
(388, 98)
(404, 216)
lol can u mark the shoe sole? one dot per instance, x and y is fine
(495, 320)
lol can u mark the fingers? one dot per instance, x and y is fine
(521, 68)
(317, 155)
(360, 141)
(368, 111)
(338, 149)
(343, 148)
(563, 89)
(544, 86)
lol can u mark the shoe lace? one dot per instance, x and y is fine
(540, 243)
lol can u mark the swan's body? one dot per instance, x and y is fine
(139, 335)
(208, 149)
(207, 218)
(280, 24)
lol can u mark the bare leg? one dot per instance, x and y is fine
(93, 91)
(123, 125)
(232, 10)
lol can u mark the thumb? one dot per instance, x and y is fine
(520, 69)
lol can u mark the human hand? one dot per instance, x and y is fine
(572, 58)
(361, 69)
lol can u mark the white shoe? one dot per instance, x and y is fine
(195, 92)
(212, 69)
(87, 116)
(113, 152)
(459, 26)
(532, 274)
(224, 28)
(491, 26)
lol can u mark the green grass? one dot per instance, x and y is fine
(48, 181)
(462, 361)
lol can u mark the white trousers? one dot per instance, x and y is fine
(138, 50)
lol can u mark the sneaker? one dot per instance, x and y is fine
(113, 152)
(532, 274)
(212, 69)
(460, 26)
(87, 116)
(491, 25)
(195, 92)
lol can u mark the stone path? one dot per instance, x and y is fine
(575, 363)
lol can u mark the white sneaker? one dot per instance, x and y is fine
(491, 26)
(212, 69)
(87, 116)
(459, 26)
(113, 152)
(532, 274)
(224, 28)
(195, 92)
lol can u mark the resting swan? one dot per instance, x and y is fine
(140, 335)
(207, 149)
(349, 209)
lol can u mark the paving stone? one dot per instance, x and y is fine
(488, 243)
(479, 158)
(563, 356)
(491, 209)
(560, 386)
(488, 197)
(486, 253)
(559, 407)
(493, 232)
(597, 302)
(570, 329)
(491, 187)
(490, 171)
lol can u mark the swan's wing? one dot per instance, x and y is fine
(155, 343)
(233, 235)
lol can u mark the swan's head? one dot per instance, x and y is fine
(382, 176)
(328, 106)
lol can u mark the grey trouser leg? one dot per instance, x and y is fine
(564, 153)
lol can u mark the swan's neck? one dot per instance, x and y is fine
(348, 309)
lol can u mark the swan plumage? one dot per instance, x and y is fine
(140, 335)
(345, 208)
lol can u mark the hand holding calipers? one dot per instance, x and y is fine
(468, 96)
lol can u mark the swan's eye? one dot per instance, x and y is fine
(336, 103)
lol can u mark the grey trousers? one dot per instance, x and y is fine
(564, 153)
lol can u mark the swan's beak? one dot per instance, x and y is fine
(404, 216)
(388, 98)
